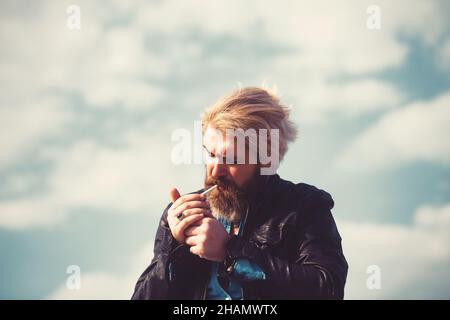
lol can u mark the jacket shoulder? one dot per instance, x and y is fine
(310, 207)
(303, 196)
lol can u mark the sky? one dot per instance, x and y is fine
(87, 117)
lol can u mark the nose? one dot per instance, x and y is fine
(218, 170)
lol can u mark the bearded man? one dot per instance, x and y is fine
(254, 235)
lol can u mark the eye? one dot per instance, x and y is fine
(208, 156)
(233, 161)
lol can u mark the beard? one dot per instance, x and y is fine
(228, 200)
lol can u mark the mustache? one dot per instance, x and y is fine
(226, 186)
(223, 183)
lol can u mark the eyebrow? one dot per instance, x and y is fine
(206, 149)
(223, 156)
(211, 153)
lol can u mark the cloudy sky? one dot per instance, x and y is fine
(87, 116)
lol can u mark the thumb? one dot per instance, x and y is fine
(174, 194)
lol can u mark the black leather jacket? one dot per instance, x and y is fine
(290, 234)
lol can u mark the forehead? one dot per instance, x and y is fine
(216, 141)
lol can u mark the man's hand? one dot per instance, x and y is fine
(193, 207)
(207, 239)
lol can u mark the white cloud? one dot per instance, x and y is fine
(102, 285)
(117, 72)
(19, 214)
(433, 217)
(329, 37)
(26, 125)
(412, 258)
(416, 132)
(349, 99)
(138, 95)
(110, 63)
(402, 17)
(106, 65)
(333, 38)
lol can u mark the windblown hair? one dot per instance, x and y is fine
(252, 108)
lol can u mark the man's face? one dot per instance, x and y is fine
(233, 179)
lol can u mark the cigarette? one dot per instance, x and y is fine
(204, 193)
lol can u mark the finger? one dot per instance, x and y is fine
(195, 250)
(190, 212)
(187, 208)
(192, 231)
(196, 223)
(174, 194)
(192, 241)
(188, 197)
(191, 206)
(187, 221)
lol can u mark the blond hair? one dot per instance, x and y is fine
(252, 108)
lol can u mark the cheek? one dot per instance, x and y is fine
(209, 168)
(241, 175)
(234, 173)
